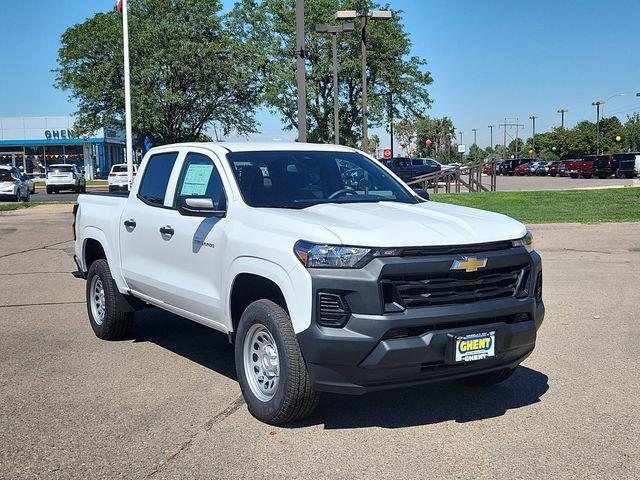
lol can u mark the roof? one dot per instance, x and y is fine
(267, 146)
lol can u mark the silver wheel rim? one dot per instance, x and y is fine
(261, 362)
(98, 303)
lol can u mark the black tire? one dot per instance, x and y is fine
(294, 397)
(84, 188)
(49, 190)
(628, 175)
(587, 175)
(488, 379)
(553, 174)
(116, 324)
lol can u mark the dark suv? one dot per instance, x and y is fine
(508, 167)
(628, 164)
(410, 168)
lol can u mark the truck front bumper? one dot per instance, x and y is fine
(379, 350)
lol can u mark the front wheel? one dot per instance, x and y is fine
(488, 379)
(108, 321)
(272, 374)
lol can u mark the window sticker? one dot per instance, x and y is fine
(196, 179)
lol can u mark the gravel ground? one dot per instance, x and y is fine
(165, 403)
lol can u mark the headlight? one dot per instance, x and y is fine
(331, 256)
(526, 242)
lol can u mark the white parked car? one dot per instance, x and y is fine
(118, 177)
(322, 284)
(12, 186)
(65, 177)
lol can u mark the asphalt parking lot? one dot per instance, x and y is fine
(165, 404)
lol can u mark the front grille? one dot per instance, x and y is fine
(454, 249)
(452, 287)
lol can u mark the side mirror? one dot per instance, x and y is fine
(421, 192)
(198, 207)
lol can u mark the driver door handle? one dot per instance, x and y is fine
(130, 224)
(167, 231)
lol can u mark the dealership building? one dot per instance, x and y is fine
(33, 143)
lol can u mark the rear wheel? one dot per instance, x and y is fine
(488, 379)
(49, 190)
(108, 321)
(272, 374)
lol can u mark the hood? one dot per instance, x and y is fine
(393, 224)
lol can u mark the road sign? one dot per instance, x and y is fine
(462, 148)
(386, 153)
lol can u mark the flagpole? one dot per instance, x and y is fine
(127, 95)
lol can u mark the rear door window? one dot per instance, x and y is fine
(156, 178)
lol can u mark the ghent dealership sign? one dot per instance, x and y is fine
(58, 134)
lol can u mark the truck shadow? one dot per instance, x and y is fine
(413, 406)
(430, 404)
(190, 340)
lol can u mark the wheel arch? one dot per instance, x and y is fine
(94, 247)
(254, 279)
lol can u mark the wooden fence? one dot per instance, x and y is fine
(454, 180)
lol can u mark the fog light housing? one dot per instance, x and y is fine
(333, 310)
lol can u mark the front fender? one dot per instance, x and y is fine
(298, 298)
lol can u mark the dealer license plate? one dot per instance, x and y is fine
(476, 346)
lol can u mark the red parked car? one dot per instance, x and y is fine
(521, 170)
(581, 167)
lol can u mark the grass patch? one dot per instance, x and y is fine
(555, 206)
(9, 207)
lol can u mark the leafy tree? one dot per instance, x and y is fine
(632, 132)
(440, 131)
(405, 132)
(187, 71)
(269, 26)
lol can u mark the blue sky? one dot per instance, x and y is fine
(490, 59)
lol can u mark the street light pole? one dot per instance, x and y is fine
(491, 134)
(333, 31)
(562, 111)
(475, 138)
(301, 73)
(364, 18)
(597, 105)
(533, 138)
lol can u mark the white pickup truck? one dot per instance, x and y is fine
(326, 271)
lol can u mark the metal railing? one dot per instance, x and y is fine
(453, 180)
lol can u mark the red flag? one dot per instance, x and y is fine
(119, 6)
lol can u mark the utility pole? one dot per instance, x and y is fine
(333, 31)
(301, 73)
(391, 119)
(121, 6)
(491, 135)
(510, 124)
(597, 105)
(562, 111)
(475, 142)
(533, 138)
(364, 18)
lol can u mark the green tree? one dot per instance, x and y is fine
(440, 131)
(269, 26)
(632, 132)
(187, 71)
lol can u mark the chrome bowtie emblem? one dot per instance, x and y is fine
(468, 264)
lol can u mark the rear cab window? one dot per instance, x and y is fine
(153, 187)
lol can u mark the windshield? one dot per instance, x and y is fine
(299, 179)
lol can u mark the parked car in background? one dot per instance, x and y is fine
(118, 177)
(557, 168)
(541, 168)
(581, 167)
(522, 169)
(65, 177)
(12, 187)
(31, 185)
(605, 165)
(409, 168)
(628, 164)
(508, 167)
